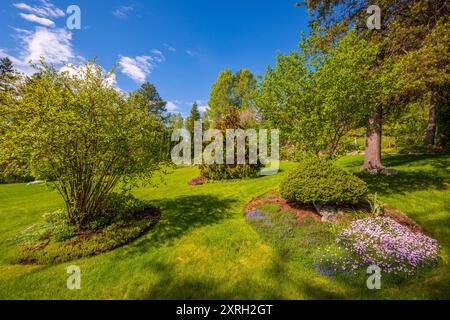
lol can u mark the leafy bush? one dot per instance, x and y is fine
(117, 207)
(318, 181)
(382, 242)
(228, 172)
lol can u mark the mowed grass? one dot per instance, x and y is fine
(203, 247)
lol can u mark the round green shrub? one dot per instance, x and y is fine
(319, 181)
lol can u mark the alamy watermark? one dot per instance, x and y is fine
(374, 21)
(374, 279)
(74, 280)
(236, 142)
(73, 22)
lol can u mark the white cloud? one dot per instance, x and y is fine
(137, 68)
(158, 56)
(54, 45)
(122, 12)
(191, 53)
(140, 67)
(169, 47)
(34, 18)
(46, 9)
(171, 106)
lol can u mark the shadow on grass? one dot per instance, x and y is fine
(438, 161)
(181, 215)
(405, 181)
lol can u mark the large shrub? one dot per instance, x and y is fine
(233, 120)
(318, 181)
(75, 129)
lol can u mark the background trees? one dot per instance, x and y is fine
(317, 99)
(408, 38)
(195, 116)
(153, 101)
(231, 93)
(79, 132)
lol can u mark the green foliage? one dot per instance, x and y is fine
(231, 93)
(121, 219)
(316, 101)
(410, 128)
(117, 207)
(195, 116)
(318, 181)
(76, 130)
(228, 172)
(149, 97)
(376, 207)
(66, 246)
(233, 120)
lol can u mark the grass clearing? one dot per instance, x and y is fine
(203, 248)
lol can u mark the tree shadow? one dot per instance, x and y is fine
(438, 161)
(181, 215)
(405, 181)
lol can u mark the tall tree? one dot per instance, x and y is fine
(149, 96)
(8, 76)
(195, 116)
(231, 93)
(316, 101)
(406, 26)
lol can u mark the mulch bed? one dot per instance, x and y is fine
(305, 211)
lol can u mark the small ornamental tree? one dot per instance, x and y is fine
(76, 130)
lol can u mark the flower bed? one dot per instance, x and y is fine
(197, 181)
(383, 242)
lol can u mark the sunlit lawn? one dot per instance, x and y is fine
(203, 248)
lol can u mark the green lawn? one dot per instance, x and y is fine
(204, 249)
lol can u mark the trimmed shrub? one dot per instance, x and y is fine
(228, 172)
(318, 181)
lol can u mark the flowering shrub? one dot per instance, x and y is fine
(197, 181)
(385, 243)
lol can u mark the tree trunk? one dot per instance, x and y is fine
(431, 130)
(372, 160)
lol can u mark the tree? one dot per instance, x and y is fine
(8, 78)
(406, 26)
(195, 116)
(175, 121)
(80, 133)
(316, 100)
(151, 98)
(231, 92)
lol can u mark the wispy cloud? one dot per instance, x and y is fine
(137, 68)
(122, 12)
(140, 67)
(54, 45)
(158, 55)
(191, 53)
(46, 9)
(169, 47)
(34, 18)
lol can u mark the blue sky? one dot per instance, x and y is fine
(180, 46)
